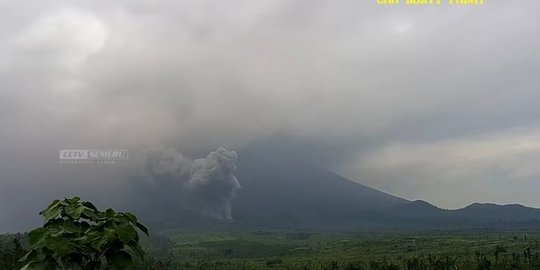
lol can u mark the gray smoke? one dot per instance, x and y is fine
(207, 185)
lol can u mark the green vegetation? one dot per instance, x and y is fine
(330, 251)
(11, 250)
(78, 236)
(350, 251)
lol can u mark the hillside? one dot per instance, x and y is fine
(279, 192)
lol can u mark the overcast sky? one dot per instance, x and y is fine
(435, 103)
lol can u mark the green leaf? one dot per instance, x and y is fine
(109, 234)
(142, 228)
(109, 213)
(44, 265)
(70, 227)
(75, 213)
(60, 246)
(37, 236)
(90, 205)
(131, 217)
(32, 256)
(54, 204)
(126, 233)
(51, 212)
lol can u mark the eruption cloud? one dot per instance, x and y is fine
(207, 185)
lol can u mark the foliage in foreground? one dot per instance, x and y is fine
(78, 236)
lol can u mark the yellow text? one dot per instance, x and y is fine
(466, 2)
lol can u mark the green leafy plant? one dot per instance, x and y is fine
(77, 236)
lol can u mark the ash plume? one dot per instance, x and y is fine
(207, 185)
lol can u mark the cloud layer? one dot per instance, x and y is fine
(376, 92)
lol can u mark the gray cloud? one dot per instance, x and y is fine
(354, 82)
(449, 172)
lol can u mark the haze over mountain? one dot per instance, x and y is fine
(438, 103)
(280, 192)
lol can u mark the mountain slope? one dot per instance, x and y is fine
(416, 210)
(278, 192)
(494, 212)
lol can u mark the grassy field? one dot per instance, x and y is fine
(305, 250)
(237, 250)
